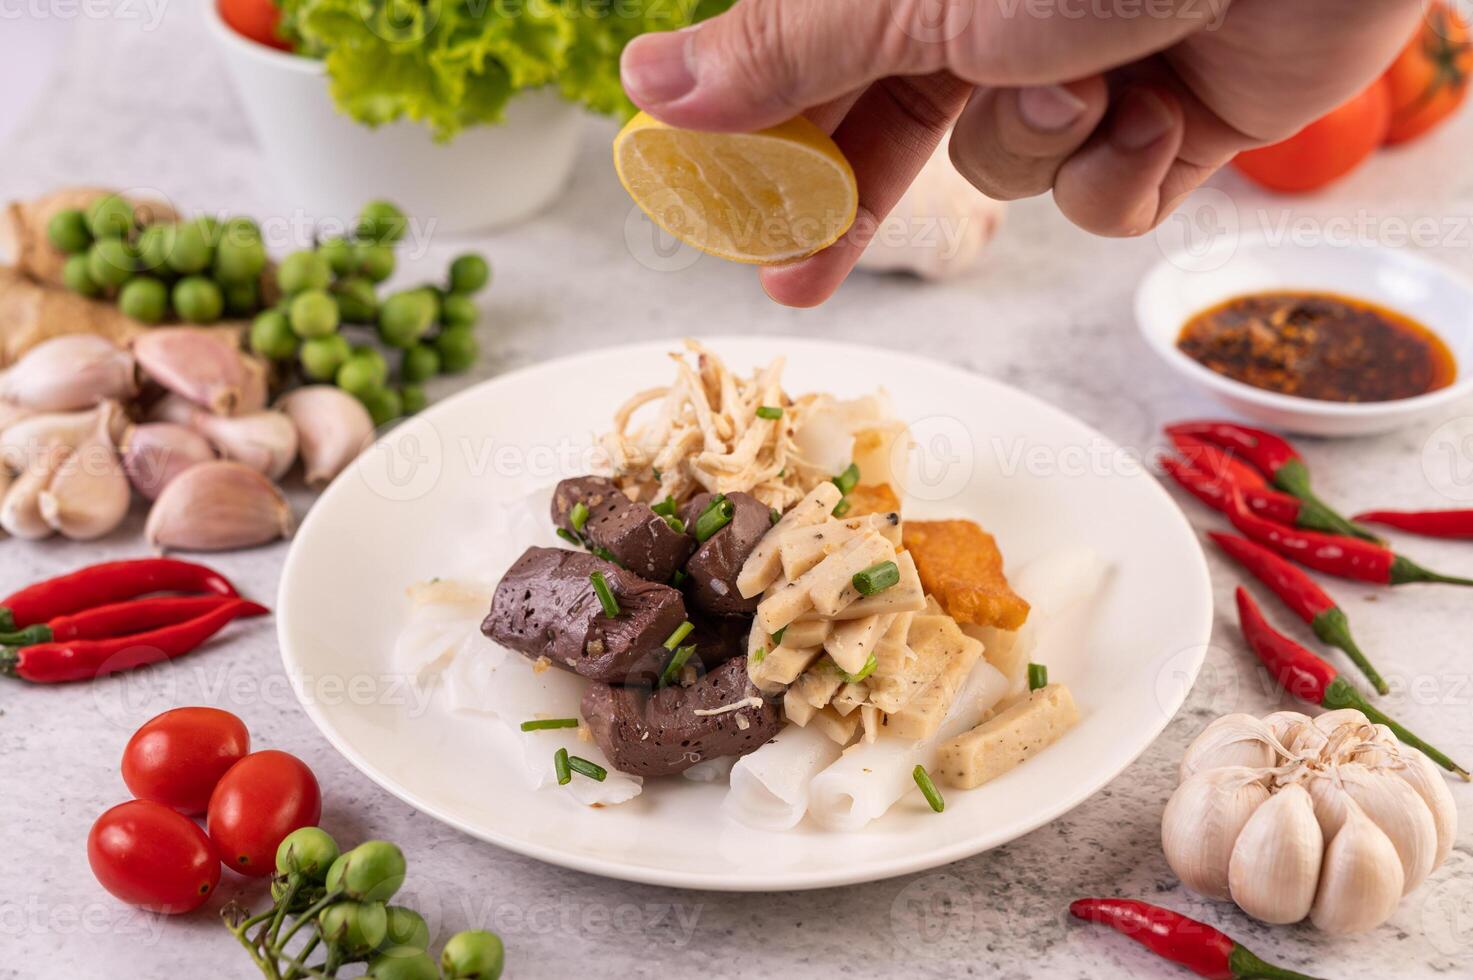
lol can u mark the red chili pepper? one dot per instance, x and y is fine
(1300, 593)
(118, 619)
(1364, 561)
(1216, 493)
(1311, 679)
(1205, 951)
(1224, 463)
(111, 581)
(1275, 459)
(49, 663)
(1429, 523)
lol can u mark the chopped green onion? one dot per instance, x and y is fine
(665, 508)
(676, 663)
(782, 472)
(865, 671)
(713, 503)
(560, 767)
(758, 655)
(676, 524)
(777, 638)
(877, 578)
(567, 535)
(714, 518)
(590, 769)
(842, 507)
(542, 724)
(774, 514)
(657, 474)
(678, 579)
(769, 412)
(1037, 676)
(599, 551)
(605, 594)
(681, 632)
(578, 515)
(848, 480)
(928, 788)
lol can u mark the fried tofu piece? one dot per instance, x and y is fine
(872, 498)
(961, 566)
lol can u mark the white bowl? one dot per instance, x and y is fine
(331, 165)
(1184, 284)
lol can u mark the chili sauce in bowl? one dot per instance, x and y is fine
(1318, 345)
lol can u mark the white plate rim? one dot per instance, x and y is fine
(790, 881)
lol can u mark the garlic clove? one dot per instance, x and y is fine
(154, 453)
(333, 427)
(202, 366)
(1275, 864)
(1395, 807)
(1232, 740)
(173, 408)
(89, 495)
(264, 441)
(20, 511)
(1422, 774)
(1201, 825)
(70, 372)
(1360, 877)
(33, 438)
(218, 506)
(11, 413)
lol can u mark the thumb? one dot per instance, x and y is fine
(765, 61)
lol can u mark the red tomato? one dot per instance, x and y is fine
(148, 855)
(177, 758)
(255, 19)
(1325, 150)
(263, 797)
(1429, 79)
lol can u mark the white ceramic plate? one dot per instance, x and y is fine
(1184, 284)
(414, 505)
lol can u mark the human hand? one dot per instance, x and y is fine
(1120, 114)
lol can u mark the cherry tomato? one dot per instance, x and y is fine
(1429, 79)
(177, 758)
(255, 19)
(260, 800)
(147, 855)
(1325, 150)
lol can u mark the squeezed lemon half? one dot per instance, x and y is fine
(762, 198)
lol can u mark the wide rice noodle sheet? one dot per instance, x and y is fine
(769, 787)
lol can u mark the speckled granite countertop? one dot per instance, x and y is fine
(1051, 313)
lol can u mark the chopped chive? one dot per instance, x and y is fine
(567, 535)
(714, 518)
(777, 638)
(774, 514)
(605, 594)
(542, 724)
(865, 671)
(769, 412)
(782, 472)
(877, 578)
(681, 632)
(656, 471)
(676, 663)
(599, 551)
(848, 480)
(676, 524)
(713, 503)
(590, 769)
(842, 507)
(928, 788)
(758, 655)
(560, 767)
(1037, 676)
(578, 515)
(678, 579)
(665, 508)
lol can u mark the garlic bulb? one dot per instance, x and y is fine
(1360, 880)
(333, 427)
(1343, 813)
(69, 372)
(89, 495)
(1275, 864)
(218, 506)
(154, 453)
(1202, 821)
(200, 365)
(264, 441)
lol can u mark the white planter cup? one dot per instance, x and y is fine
(488, 176)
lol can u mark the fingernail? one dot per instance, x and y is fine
(1049, 108)
(1140, 119)
(656, 69)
